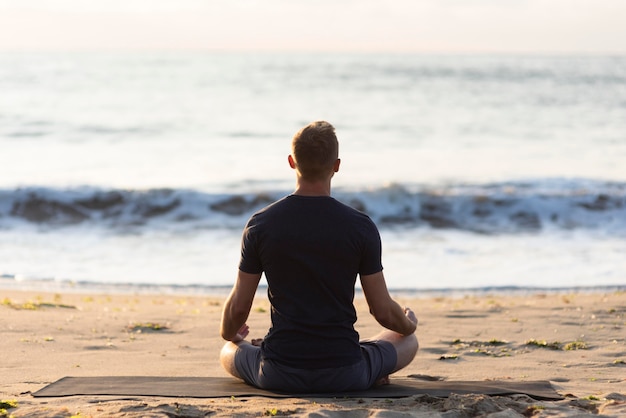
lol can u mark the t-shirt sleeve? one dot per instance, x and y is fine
(250, 261)
(371, 261)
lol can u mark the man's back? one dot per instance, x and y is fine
(311, 250)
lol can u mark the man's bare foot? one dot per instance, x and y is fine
(382, 381)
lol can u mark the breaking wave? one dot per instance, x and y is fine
(506, 207)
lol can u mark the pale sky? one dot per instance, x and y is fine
(484, 26)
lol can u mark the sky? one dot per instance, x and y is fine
(432, 26)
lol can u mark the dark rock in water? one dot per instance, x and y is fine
(235, 205)
(502, 203)
(602, 202)
(185, 217)
(526, 220)
(238, 205)
(38, 210)
(102, 201)
(481, 212)
(150, 211)
(438, 214)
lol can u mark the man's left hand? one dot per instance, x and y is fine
(242, 333)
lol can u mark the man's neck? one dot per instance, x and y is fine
(318, 188)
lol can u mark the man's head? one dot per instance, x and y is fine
(315, 151)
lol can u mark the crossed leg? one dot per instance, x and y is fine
(227, 355)
(406, 349)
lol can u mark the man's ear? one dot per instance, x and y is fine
(337, 164)
(292, 162)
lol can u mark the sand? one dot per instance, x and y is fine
(576, 341)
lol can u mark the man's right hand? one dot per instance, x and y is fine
(411, 315)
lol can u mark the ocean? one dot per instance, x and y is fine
(135, 171)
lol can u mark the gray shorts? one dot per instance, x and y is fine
(378, 359)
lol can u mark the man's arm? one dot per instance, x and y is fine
(237, 306)
(386, 311)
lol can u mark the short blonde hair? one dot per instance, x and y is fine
(315, 149)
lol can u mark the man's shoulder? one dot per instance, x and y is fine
(352, 211)
(274, 205)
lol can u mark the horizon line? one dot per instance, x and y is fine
(356, 51)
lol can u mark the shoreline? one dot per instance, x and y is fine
(575, 341)
(10, 283)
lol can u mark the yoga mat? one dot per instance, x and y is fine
(218, 387)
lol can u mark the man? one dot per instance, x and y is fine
(311, 248)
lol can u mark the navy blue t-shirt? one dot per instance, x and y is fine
(311, 250)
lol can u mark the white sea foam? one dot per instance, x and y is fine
(539, 205)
